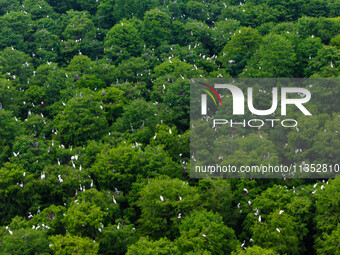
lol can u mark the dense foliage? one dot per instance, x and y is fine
(94, 127)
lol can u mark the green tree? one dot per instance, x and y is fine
(15, 27)
(279, 232)
(196, 10)
(37, 9)
(46, 46)
(171, 88)
(35, 125)
(103, 199)
(145, 246)
(26, 242)
(199, 33)
(163, 203)
(55, 83)
(322, 27)
(156, 27)
(116, 239)
(84, 219)
(49, 220)
(82, 119)
(275, 58)
(34, 152)
(223, 32)
(325, 63)
(106, 13)
(8, 5)
(72, 244)
(205, 230)
(82, 65)
(9, 130)
(79, 26)
(327, 217)
(123, 9)
(61, 6)
(16, 63)
(126, 163)
(282, 214)
(329, 243)
(306, 51)
(114, 101)
(90, 6)
(131, 70)
(123, 41)
(177, 35)
(173, 143)
(316, 8)
(58, 184)
(255, 250)
(16, 192)
(10, 97)
(80, 34)
(50, 24)
(217, 196)
(240, 49)
(335, 41)
(135, 114)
